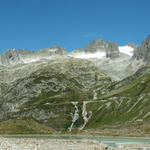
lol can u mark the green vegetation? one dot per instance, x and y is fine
(124, 106)
(24, 127)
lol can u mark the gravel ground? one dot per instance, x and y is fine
(46, 144)
(52, 144)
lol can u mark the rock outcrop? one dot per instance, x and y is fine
(143, 52)
(111, 49)
(13, 57)
(96, 45)
(140, 58)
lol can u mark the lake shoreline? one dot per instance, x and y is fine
(72, 135)
(36, 143)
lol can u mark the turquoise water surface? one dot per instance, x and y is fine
(117, 142)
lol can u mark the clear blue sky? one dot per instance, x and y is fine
(36, 24)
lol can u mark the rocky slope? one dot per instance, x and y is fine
(47, 94)
(76, 91)
(14, 57)
(106, 55)
(141, 56)
(125, 108)
(143, 52)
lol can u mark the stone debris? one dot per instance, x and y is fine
(52, 144)
(46, 144)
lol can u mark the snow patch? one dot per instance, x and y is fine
(126, 50)
(38, 58)
(84, 55)
(30, 60)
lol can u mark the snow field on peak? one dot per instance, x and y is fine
(84, 55)
(126, 50)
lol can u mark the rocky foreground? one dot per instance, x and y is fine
(53, 144)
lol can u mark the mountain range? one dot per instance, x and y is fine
(103, 89)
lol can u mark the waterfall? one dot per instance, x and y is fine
(75, 116)
(84, 115)
(94, 95)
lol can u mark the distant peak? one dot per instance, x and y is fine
(148, 37)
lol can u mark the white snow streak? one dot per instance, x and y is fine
(29, 60)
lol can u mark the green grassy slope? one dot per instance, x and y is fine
(24, 127)
(127, 105)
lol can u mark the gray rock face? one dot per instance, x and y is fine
(96, 45)
(143, 52)
(141, 57)
(110, 48)
(115, 68)
(13, 57)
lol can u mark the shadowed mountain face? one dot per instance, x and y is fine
(76, 91)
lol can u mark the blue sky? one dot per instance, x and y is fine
(36, 24)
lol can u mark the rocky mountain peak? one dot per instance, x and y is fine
(14, 57)
(11, 56)
(146, 43)
(96, 45)
(111, 49)
(148, 38)
(56, 50)
(143, 52)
